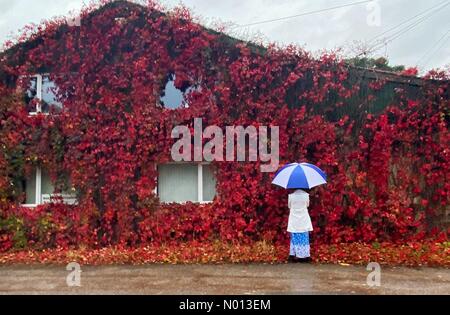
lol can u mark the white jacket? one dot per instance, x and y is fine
(299, 220)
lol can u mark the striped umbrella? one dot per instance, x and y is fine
(299, 175)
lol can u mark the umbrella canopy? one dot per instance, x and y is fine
(299, 175)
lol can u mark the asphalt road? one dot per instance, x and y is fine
(223, 279)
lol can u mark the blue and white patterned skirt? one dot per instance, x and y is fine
(300, 245)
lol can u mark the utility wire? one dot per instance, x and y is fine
(405, 29)
(430, 52)
(406, 21)
(303, 14)
(433, 46)
(422, 16)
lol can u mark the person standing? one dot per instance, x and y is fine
(299, 226)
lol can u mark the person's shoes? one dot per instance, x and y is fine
(293, 259)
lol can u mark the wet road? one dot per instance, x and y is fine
(223, 279)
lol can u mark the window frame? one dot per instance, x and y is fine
(199, 182)
(69, 199)
(39, 84)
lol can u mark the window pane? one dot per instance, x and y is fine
(49, 95)
(173, 97)
(30, 188)
(47, 186)
(30, 95)
(209, 183)
(178, 182)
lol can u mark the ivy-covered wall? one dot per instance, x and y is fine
(383, 143)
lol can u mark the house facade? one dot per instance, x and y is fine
(88, 111)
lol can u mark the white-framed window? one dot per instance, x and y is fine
(186, 182)
(41, 94)
(39, 189)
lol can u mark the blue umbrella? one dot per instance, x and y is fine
(299, 175)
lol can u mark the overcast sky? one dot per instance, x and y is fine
(427, 42)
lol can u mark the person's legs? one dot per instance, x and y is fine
(292, 257)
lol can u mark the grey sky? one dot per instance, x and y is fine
(342, 27)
